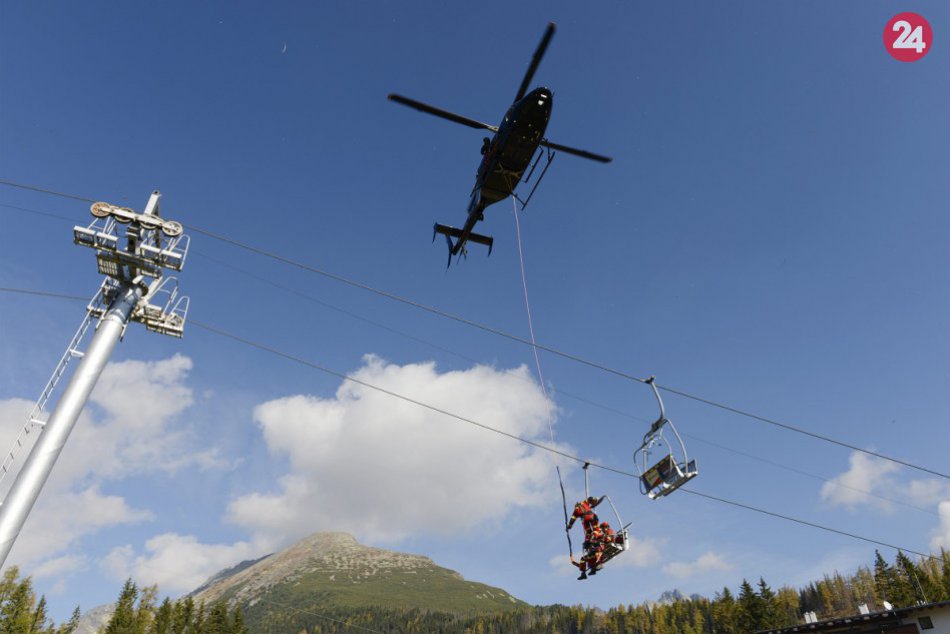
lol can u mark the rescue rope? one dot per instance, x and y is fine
(527, 305)
(537, 363)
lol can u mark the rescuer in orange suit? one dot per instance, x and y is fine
(585, 511)
(593, 552)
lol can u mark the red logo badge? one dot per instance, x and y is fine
(908, 37)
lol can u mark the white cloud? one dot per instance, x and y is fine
(927, 492)
(642, 553)
(941, 538)
(176, 563)
(384, 468)
(875, 482)
(144, 394)
(139, 399)
(128, 430)
(706, 563)
(65, 516)
(59, 566)
(865, 478)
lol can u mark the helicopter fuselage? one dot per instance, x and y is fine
(508, 154)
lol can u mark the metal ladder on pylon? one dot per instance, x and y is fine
(37, 417)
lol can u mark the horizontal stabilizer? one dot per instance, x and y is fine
(448, 231)
(480, 239)
(472, 237)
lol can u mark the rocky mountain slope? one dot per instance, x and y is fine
(333, 569)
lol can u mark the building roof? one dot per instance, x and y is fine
(851, 623)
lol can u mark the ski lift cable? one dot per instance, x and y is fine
(572, 357)
(693, 437)
(343, 311)
(814, 476)
(807, 523)
(24, 291)
(46, 191)
(527, 441)
(329, 306)
(49, 214)
(582, 399)
(561, 391)
(553, 450)
(555, 351)
(408, 399)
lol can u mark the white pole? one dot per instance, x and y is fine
(36, 469)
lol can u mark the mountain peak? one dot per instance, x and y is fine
(325, 544)
(670, 596)
(333, 568)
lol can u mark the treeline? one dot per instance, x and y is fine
(754, 607)
(136, 612)
(21, 612)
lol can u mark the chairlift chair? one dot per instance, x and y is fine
(670, 472)
(621, 540)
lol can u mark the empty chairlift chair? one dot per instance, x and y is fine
(674, 469)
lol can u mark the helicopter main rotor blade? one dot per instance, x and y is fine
(445, 114)
(581, 153)
(538, 54)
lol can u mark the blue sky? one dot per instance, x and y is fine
(771, 234)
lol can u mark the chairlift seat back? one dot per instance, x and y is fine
(674, 478)
(659, 473)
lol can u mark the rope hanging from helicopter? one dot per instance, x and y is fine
(537, 357)
(601, 543)
(590, 558)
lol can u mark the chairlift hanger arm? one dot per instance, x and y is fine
(654, 433)
(652, 383)
(586, 482)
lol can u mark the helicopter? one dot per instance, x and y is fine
(507, 154)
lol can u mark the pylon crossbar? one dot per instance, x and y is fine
(151, 252)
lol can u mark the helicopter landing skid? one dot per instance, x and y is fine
(549, 155)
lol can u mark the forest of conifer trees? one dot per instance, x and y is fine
(755, 606)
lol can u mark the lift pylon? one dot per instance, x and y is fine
(134, 289)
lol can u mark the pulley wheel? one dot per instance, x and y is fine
(150, 222)
(172, 228)
(101, 210)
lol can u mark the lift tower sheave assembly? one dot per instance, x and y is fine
(135, 288)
